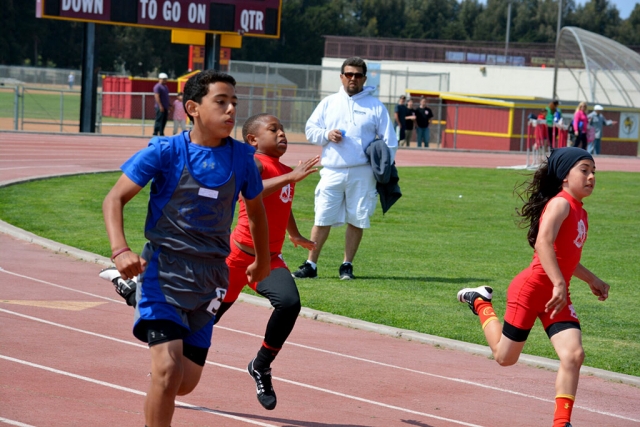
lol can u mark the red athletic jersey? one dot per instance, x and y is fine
(277, 205)
(530, 290)
(569, 241)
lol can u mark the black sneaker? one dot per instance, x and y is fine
(305, 271)
(346, 272)
(264, 388)
(469, 295)
(568, 425)
(125, 288)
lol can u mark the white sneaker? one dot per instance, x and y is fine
(470, 295)
(125, 288)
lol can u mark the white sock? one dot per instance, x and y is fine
(312, 264)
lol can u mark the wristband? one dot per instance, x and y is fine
(119, 252)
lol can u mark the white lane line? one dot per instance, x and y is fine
(126, 389)
(335, 393)
(119, 300)
(14, 423)
(347, 356)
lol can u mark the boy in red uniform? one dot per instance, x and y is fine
(557, 232)
(266, 134)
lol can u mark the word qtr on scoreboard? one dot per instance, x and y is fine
(257, 18)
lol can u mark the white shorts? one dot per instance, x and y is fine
(345, 195)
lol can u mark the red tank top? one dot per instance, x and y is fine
(277, 206)
(569, 241)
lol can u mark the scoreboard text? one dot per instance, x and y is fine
(259, 18)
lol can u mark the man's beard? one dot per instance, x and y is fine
(353, 90)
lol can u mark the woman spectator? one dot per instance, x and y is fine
(580, 125)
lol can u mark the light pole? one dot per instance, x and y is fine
(554, 95)
(506, 45)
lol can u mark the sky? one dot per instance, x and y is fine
(625, 7)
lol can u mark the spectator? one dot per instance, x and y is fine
(345, 124)
(580, 125)
(423, 120)
(179, 115)
(551, 111)
(597, 121)
(71, 80)
(400, 114)
(161, 96)
(410, 120)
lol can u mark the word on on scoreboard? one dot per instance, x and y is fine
(259, 18)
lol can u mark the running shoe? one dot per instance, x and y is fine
(469, 295)
(125, 288)
(264, 387)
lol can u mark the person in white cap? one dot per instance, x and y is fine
(161, 95)
(597, 121)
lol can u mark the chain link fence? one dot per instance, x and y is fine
(289, 92)
(38, 75)
(454, 126)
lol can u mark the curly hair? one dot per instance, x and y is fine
(535, 193)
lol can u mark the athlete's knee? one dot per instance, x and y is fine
(167, 373)
(188, 384)
(572, 358)
(186, 388)
(290, 304)
(506, 359)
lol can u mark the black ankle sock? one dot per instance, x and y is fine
(264, 358)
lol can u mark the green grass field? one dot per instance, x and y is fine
(44, 105)
(414, 259)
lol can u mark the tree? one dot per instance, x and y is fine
(629, 33)
(382, 18)
(303, 25)
(433, 19)
(491, 24)
(597, 16)
(468, 15)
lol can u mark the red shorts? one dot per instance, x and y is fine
(238, 261)
(526, 299)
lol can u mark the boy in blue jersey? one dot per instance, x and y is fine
(196, 178)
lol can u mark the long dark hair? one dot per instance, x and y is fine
(535, 193)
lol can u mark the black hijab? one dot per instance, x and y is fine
(561, 160)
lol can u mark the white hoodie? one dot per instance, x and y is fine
(362, 117)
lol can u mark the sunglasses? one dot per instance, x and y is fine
(349, 76)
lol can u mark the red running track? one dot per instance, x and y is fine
(67, 356)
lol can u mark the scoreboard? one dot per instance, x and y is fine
(256, 18)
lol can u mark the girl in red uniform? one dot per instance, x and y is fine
(557, 232)
(266, 134)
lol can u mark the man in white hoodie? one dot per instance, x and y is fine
(344, 124)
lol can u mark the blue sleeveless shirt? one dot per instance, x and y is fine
(194, 191)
